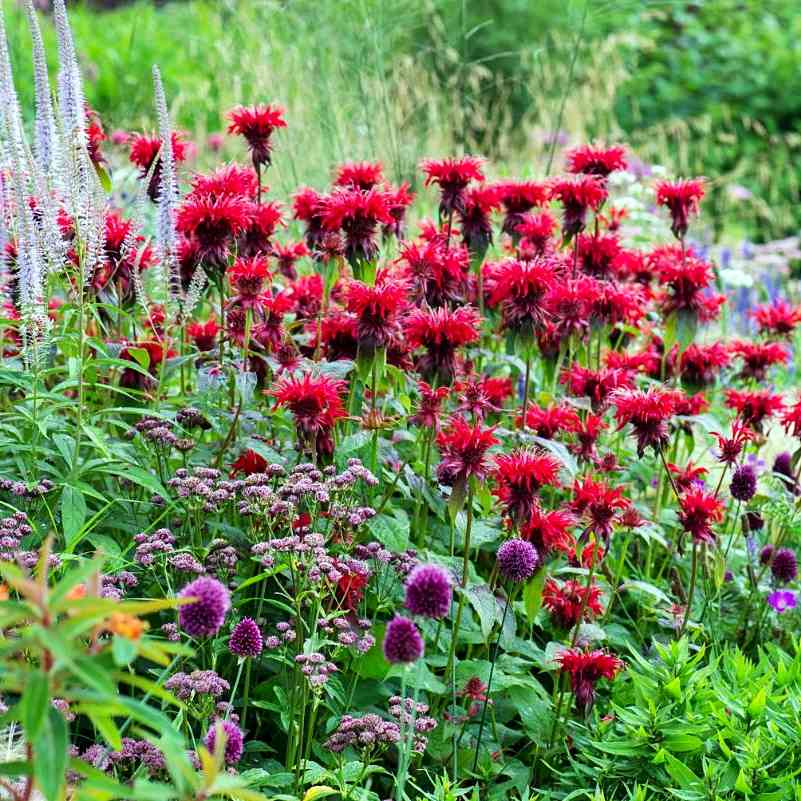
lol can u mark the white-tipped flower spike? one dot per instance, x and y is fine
(45, 125)
(166, 238)
(194, 292)
(11, 117)
(70, 90)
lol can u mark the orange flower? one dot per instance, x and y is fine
(77, 592)
(128, 626)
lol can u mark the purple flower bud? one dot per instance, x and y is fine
(784, 565)
(246, 639)
(743, 483)
(517, 560)
(234, 740)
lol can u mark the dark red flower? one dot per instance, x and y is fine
(398, 198)
(438, 273)
(520, 287)
(791, 419)
(731, 447)
(247, 276)
(339, 332)
(248, 463)
(430, 409)
(452, 175)
(577, 194)
(362, 175)
(758, 357)
(688, 477)
(599, 503)
(497, 389)
(358, 214)
(780, 317)
(571, 304)
(316, 405)
(230, 179)
(350, 589)
(566, 602)
(377, 309)
(700, 365)
(549, 422)
(596, 160)
(441, 331)
(257, 124)
(585, 670)
(682, 199)
(256, 239)
(463, 448)
(587, 435)
(597, 253)
(156, 355)
(307, 206)
(478, 203)
(519, 476)
(518, 198)
(306, 293)
(286, 255)
(95, 136)
(145, 149)
(688, 282)
(754, 407)
(549, 531)
(698, 511)
(648, 412)
(597, 385)
(204, 335)
(536, 231)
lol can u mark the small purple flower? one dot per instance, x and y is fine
(429, 591)
(246, 639)
(402, 641)
(517, 560)
(766, 555)
(784, 565)
(743, 483)
(234, 740)
(782, 600)
(206, 614)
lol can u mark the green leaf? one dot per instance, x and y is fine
(73, 513)
(123, 651)
(483, 601)
(50, 755)
(758, 703)
(106, 726)
(532, 594)
(103, 177)
(392, 531)
(34, 703)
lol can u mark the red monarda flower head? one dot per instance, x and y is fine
(256, 239)
(550, 421)
(599, 503)
(249, 463)
(587, 435)
(95, 136)
(535, 232)
(135, 379)
(230, 179)
(145, 150)
(698, 511)
(791, 420)
(398, 198)
(438, 273)
(520, 287)
(597, 253)
(306, 293)
(377, 309)
(597, 385)
(779, 318)
(585, 670)
(257, 125)
(316, 405)
(204, 335)
(577, 194)
(247, 276)
(700, 365)
(338, 333)
(730, 448)
(754, 407)
(519, 476)
(464, 452)
(430, 409)
(758, 357)
(441, 332)
(307, 206)
(473, 399)
(549, 531)
(452, 176)
(571, 303)
(286, 255)
(596, 160)
(358, 214)
(478, 203)
(214, 222)
(517, 198)
(682, 199)
(362, 175)
(687, 278)
(648, 412)
(565, 602)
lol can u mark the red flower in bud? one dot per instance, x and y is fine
(698, 511)
(519, 476)
(577, 194)
(362, 175)
(682, 199)
(518, 198)
(595, 160)
(478, 203)
(430, 409)
(452, 176)
(463, 448)
(257, 124)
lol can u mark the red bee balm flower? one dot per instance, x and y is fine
(754, 407)
(248, 463)
(431, 401)
(585, 670)
(377, 309)
(519, 197)
(286, 255)
(248, 276)
(464, 452)
(474, 217)
(648, 412)
(597, 385)
(358, 213)
(577, 195)
(549, 531)
(599, 503)
(257, 125)
(146, 149)
(698, 511)
(441, 332)
(779, 318)
(566, 602)
(362, 175)
(453, 176)
(204, 335)
(535, 231)
(316, 405)
(519, 476)
(230, 179)
(682, 199)
(594, 160)
(758, 357)
(520, 287)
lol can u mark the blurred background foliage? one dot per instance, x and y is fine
(703, 88)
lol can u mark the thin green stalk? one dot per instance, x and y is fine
(691, 590)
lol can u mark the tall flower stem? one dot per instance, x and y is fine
(493, 659)
(405, 760)
(691, 590)
(526, 389)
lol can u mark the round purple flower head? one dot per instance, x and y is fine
(743, 483)
(246, 639)
(429, 591)
(517, 560)
(402, 641)
(784, 565)
(234, 740)
(203, 617)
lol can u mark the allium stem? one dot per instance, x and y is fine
(493, 659)
(246, 695)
